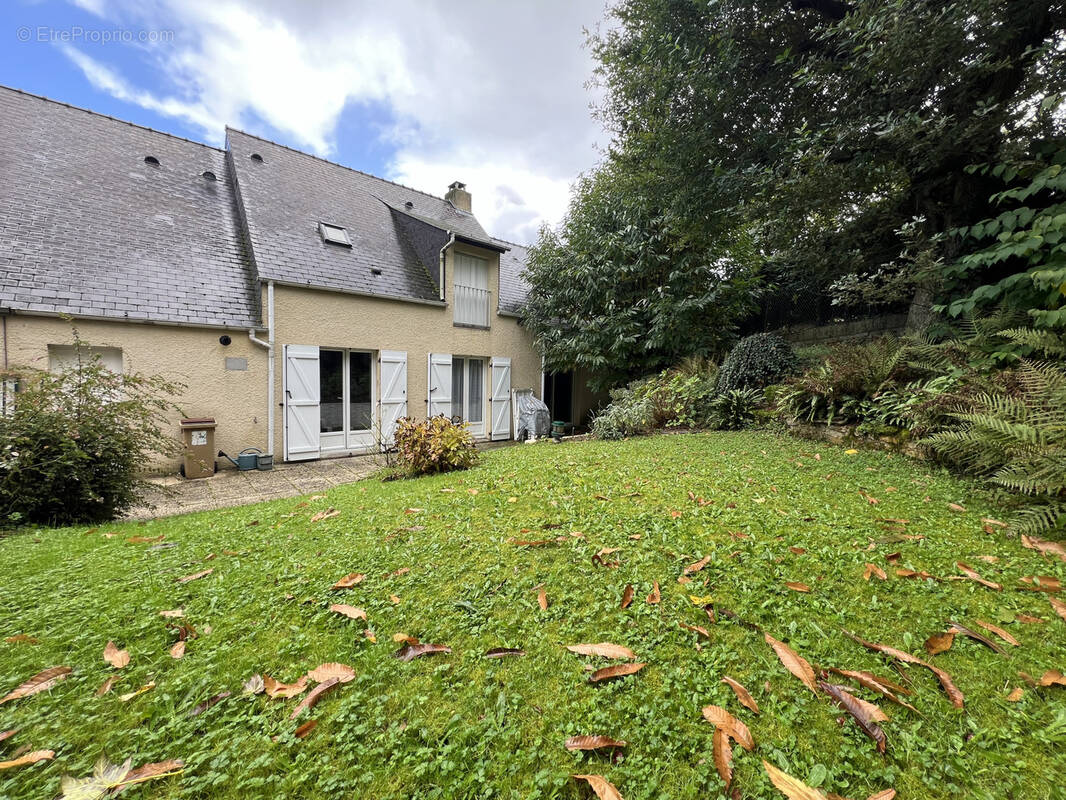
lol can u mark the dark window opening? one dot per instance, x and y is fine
(210, 176)
(151, 160)
(360, 391)
(256, 157)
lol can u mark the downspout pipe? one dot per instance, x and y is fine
(444, 249)
(269, 345)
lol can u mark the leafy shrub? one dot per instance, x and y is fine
(756, 361)
(628, 414)
(1019, 442)
(72, 447)
(679, 397)
(428, 446)
(838, 388)
(735, 409)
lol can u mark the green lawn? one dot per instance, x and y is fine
(459, 725)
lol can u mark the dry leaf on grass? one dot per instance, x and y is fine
(195, 576)
(29, 758)
(1002, 634)
(956, 507)
(8, 734)
(208, 703)
(604, 649)
(348, 581)
(939, 643)
(691, 568)
(950, 688)
(970, 573)
(173, 614)
(743, 695)
(305, 729)
(1015, 695)
(723, 756)
(1044, 546)
(792, 788)
(332, 669)
(348, 611)
(327, 514)
(867, 715)
(274, 688)
(178, 650)
(977, 637)
(592, 742)
(542, 598)
(604, 789)
(504, 652)
(797, 587)
(655, 596)
(157, 769)
(254, 685)
(617, 671)
(125, 698)
(1059, 606)
(105, 687)
(627, 595)
(115, 657)
(41, 682)
(876, 683)
(733, 727)
(793, 662)
(413, 651)
(1042, 583)
(22, 638)
(873, 570)
(706, 634)
(315, 696)
(1053, 677)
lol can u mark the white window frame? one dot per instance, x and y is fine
(471, 302)
(348, 438)
(460, 405)
(334, 234)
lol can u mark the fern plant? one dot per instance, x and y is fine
(1019, 442)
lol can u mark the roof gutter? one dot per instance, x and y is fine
(449, 243)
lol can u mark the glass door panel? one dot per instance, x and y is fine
(360, 391)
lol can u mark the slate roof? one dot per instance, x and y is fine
(513, 286)
(288, 193)
(88, 228)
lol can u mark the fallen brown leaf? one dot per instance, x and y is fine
(977, 637)
(876, 683)
(274, 688)
(873, 570)
(1058, 605)
(617, 671)
(950, 688)
(603, 649)
(105, 687)
(348, 611)
(412, 651)
(315, 695)
(41, 682)
(793, 662)
(8, 734)
(125, 698)
(324, 672)
(1002, 634)
(956, 507)
(706, 634)
(970, 573)
(604, 789)
(348, 581)
(939, 642)
(743, 695)
(691, 568)
(195, 576)
(1030, 620)
(1044, 546)
(115, 657)
(503, 652)
(1053, 677)
(867, 715)
(733, 727)
(178, 650)
(29, 758)
(254, 685)
(1015, 695)
(792, 788)
(305, 729)
(22, 638)
(542, 598)
(208, 703)
(797, 587)
(627, 595)
(327, 514)
(1042, 583)
(655, 596)
(173, 614)
(592, 742)
(723, 756)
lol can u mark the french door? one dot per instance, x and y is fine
(468, 392)
(346, 400)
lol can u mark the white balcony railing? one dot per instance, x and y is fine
(471, 306)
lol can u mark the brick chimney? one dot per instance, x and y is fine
(458, 196)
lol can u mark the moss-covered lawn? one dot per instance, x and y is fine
(459, 725)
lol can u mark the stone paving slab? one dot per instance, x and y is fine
(170, 494)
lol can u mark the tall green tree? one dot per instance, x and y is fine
(620, 290)
(827, 125)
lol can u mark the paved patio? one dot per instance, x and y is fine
(171, 494)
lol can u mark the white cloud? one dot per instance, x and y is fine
(489, 93)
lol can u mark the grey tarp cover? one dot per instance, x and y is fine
(533, 417)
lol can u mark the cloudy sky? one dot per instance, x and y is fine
(490, 92)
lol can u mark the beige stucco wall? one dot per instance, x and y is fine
(193, 356)
(330, 319)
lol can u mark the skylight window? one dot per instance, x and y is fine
(334, 234)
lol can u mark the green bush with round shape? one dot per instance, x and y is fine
(756, 361)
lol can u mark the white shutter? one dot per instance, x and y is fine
(302, 399)
(393, 402)
(440, 385)
(500, 400)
